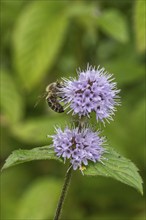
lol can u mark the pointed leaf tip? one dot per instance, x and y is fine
(22, 156)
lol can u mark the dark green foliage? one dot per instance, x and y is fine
(117, 167)
(22, 156)
(113, 165)
(43, 41)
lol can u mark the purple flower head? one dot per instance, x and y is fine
(93, 90)
(78, 146)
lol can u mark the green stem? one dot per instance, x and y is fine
(63, 193)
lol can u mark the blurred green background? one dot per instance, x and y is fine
(41, 42)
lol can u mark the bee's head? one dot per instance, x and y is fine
(51, 86)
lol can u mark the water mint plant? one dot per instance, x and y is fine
(81, 146)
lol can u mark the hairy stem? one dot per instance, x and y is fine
(63, 193)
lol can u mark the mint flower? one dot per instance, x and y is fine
(93, 91)
(78, 146)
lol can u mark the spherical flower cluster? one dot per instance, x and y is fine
(78, 146)
(93, 91)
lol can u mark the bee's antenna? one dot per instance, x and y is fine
(39, 98)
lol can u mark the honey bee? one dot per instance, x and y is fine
(52, 96)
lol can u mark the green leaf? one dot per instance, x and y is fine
(140, 24)
(39, 200)
(117, 167)
(114, 24)
(38, 37)
(9, 14)
(35, 130)
(11, 101)
(22, 156)
(137, 131)
(137, 118)
(80, 8)
(131, 71)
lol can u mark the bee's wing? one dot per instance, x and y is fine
(40, 97)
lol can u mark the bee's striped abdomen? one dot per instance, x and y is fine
(54, 104)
